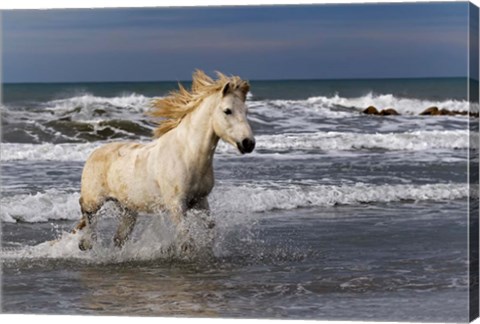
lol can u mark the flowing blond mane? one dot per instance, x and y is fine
(173, 108)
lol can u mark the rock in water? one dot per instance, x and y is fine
(433, 111)
(446, 112)
(371, 110)
(389, 112)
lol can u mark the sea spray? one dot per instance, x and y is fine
(154, 238)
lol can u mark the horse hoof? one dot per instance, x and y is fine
(118, 242)
(186, 247)
(84, 245)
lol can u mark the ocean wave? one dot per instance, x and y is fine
(89, 106)
(57, 205)
(47, 151)
(312, 112)
(260, 199)
(94, 118)
(52, 204)
(407, 106)
(343, 141)
(318, 141)
(346, 141)
(83, 107)
(322, 113)
(81, 118)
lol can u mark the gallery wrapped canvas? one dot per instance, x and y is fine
(282, 162)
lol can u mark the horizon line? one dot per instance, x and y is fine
(251, 80)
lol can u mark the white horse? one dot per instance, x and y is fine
(174, 172)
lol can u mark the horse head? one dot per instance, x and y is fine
(230, 117)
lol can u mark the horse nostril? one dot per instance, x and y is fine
(248, 145)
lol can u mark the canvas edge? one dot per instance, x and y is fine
(1, 102)
(473, 164)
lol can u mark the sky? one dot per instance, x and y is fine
(263, 42)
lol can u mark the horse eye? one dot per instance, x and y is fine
(227, 111)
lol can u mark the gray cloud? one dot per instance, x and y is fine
(295, 42)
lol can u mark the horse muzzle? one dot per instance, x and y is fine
(246, 146)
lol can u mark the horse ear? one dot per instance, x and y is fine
(226, 89)
(244, 87)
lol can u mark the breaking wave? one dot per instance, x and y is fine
(342, 141)
(322, 141)
(88, 106)
(47, 151)
(58, 205)
(93, 118)
(78, 119)
(406, 106)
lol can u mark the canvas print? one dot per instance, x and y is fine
(287, 162)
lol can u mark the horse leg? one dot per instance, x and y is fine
(87, 224)
(177, 214)
(202, 205)
(207, 220)
(128, 219)
(88, 234)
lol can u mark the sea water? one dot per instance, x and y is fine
(335, 215)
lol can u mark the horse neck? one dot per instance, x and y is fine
(196, 134)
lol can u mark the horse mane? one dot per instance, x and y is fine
(179, 103)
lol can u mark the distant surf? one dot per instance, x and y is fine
(88, 118)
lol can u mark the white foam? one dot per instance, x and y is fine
(402, 105)
(316, 113)
(300, 112)
(343, 141)
(87, 102)
(324, 141)
(135, 105)
(260, 199)
(156, 238)
(84, 108)
(50, 205)
(153, 238)
(47, 151)
(303, 109)
(57, 205)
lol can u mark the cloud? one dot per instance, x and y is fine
(254, 38)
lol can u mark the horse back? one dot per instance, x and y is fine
(96, 185)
